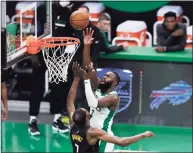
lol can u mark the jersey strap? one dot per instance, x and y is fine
(113, 93)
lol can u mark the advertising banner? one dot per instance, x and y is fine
(161, 93)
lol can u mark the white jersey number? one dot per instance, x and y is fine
(77, 148)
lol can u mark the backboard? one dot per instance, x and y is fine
(29, 18)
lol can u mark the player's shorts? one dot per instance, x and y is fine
(105, 146)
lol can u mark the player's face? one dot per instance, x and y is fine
(104, 25)
(170, 23)
(107, 81)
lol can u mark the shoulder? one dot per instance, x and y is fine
(160, 27)
(96, 29)
(113, 96)
(113, 93)
(93, 27)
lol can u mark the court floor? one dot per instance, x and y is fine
(15, 138)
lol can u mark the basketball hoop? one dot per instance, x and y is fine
(57, 52)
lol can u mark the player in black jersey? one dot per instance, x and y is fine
(79, 134)
(84, 138)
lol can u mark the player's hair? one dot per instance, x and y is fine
(117, 77)
(170, 14)
(79, 117)
(86, 7)
(104, 16)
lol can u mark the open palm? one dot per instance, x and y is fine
(88, 36)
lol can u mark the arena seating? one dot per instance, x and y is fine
(189, 37)
(134, 32)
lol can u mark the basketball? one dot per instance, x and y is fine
(79, 20)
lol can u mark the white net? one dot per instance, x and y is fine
(57, 60)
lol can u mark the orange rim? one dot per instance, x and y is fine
(34, 46)
(51, 42)
(47, 42)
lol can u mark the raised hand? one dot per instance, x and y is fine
(85, 71)
(76, 69)
(89, 68)
(88, 36)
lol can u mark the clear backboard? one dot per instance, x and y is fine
(29, 18)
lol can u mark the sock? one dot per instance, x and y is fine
(56, 116)
(32, 118)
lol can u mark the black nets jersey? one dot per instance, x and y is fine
(79, 140)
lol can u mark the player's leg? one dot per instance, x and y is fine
(36, 97)
(58, 96)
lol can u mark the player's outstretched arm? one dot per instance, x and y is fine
(72, 94)
(71, 97)
(88, 40)
(95, 133)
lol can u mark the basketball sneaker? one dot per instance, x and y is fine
(33, 128)
(58, 126)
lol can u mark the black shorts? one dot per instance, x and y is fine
(3, 75)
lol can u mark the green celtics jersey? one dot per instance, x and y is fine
(102, 117)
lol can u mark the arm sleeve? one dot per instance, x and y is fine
(180, 46)
(105, 46)
(161, 40)
(91, 99)
(175, 48)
